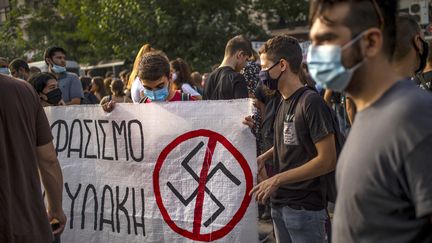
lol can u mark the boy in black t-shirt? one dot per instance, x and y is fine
(226, 82)
(304, 147)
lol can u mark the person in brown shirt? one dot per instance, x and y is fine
(25, 148)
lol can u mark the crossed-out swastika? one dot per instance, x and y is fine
(218, 167)
(244, 185)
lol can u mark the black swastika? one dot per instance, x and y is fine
(218, 167)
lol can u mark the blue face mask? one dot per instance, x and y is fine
(157, 95)
(326, 68)
(4, 70)
(58, 69)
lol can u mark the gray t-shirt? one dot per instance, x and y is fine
(70, 86)
(384, 173)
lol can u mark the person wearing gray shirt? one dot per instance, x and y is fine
(383, 175)
(69, 83)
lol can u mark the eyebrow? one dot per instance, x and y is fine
(157, 86)
(326, 36)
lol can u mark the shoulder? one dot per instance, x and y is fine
(406, 99)
(311, 98)
(13, 84)
(69, 77)
(104, 100)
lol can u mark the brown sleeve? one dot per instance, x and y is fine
(43, 129)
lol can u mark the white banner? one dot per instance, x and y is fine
(170, 172)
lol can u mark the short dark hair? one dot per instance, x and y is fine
(123, 73)
(117, 87)
(50, 51)
(364, 14)
(153, 66)
(85, 82)
(238, 43)
(183, 70)
(17, 63)
(407, 29)
(40, 80)
(196, 78)
(284, 47)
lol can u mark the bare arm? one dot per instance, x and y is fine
(327, 96)
(74, 101)
(323, 163)
(52, 180)
(262, 173)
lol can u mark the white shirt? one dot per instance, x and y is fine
(136, 90)
(186, 88)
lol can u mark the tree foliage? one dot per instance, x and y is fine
(95, 30)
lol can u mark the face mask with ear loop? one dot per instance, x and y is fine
(326, 68)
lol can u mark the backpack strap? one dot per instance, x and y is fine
(327, 180)
(420, 77)
(185, 97)
(143, 100)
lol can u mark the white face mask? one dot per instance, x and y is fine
(58, 69)
(326, 68)
(174, 76)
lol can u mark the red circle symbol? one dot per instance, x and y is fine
(214, 138)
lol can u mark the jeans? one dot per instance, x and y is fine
(299, 226)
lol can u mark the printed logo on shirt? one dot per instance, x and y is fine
(289, 131)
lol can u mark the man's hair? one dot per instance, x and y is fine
(117, 87)
(40, 80)
(284, 47)
(17, 63)
(123, 73)
(363, 15)
(183, 71)
(407, 29)
(153, 66)
(50, 51)
(85, 82)
(238, 43)
(196, 78)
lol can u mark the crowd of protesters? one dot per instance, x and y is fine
(354, 115)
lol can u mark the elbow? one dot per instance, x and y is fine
(330, 163)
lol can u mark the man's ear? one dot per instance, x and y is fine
(239, 55)
(374, 40)
(418, 43)
(284, 65)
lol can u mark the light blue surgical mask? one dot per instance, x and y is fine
(58, 69)
(326, 68)
(4, 70)
(157, 95)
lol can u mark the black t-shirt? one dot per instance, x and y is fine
(384, 173)
(297, 129)
(225, 84)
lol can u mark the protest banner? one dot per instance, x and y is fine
(161, 172)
